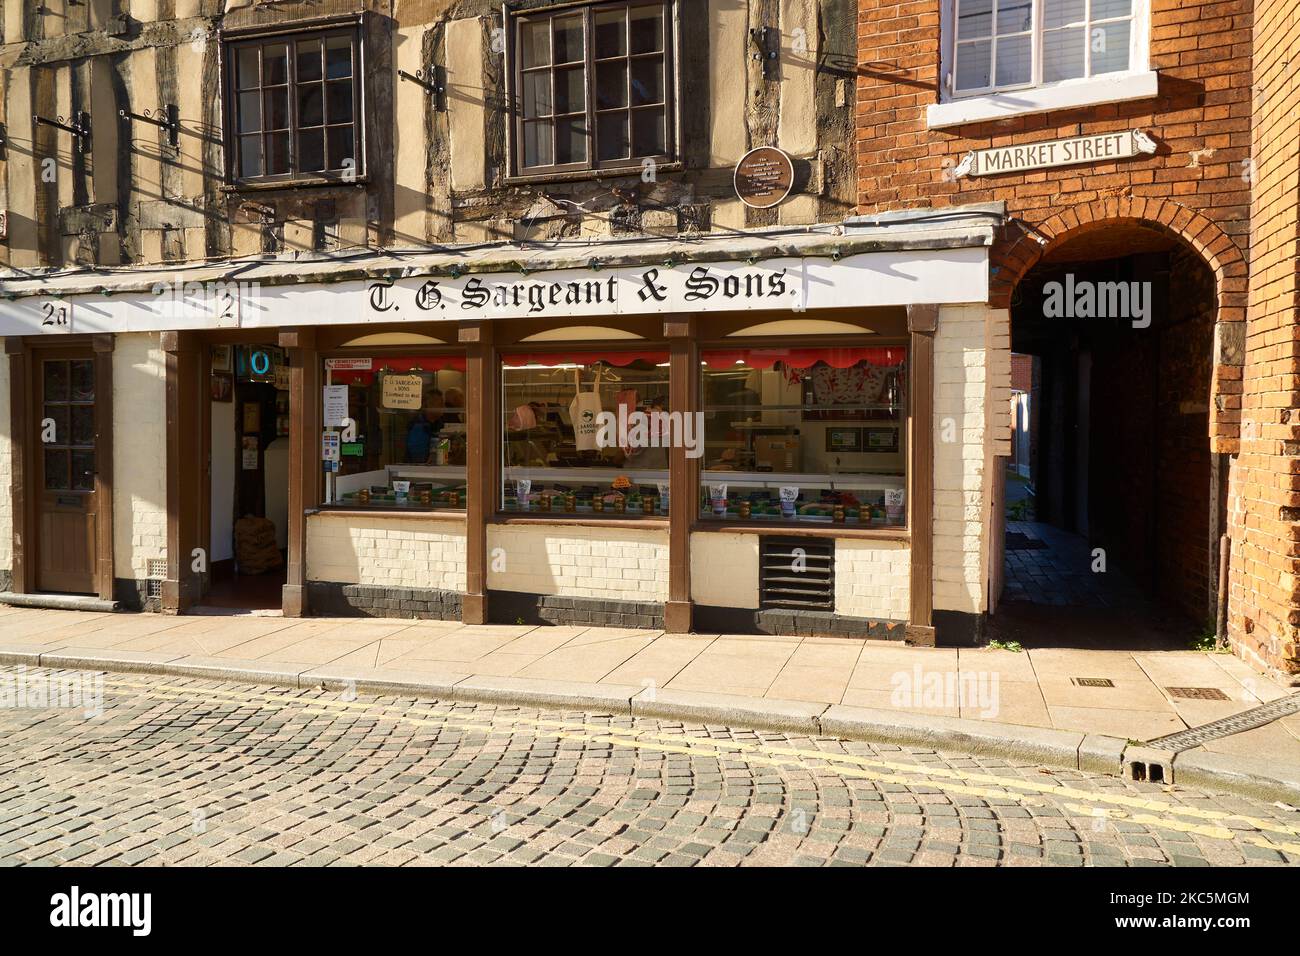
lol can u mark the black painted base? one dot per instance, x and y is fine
(783, 623)
(332, 599)
(133, 595)
(509, 607)
(958, 629)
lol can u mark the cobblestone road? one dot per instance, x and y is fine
(193, 772)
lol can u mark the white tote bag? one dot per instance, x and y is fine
(585, 411)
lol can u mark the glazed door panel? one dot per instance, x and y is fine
(67, 503)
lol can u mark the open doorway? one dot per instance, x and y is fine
(1113, 502)
(248, 477)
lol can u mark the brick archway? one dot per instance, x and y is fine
(1023, 246)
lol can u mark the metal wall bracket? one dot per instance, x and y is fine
(167, 117)
(767, 44)
(434, 81)
(78, 125)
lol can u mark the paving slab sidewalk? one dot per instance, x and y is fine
(1049, 702)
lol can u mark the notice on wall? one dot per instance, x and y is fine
(249, 457)
(403, 391)
(335, 405)
(330, 446)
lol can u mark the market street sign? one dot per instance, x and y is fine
(1099, 148)
(795, 284)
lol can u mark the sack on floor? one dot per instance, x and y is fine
(256, 551)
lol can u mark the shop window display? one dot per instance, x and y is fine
(411, 433)
(586, 433)
(805, 435)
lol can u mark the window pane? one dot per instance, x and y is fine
(83, 425)
(342, 147)
(647, 81)
(538, 144)
(537, 94)
(277, 107)
(612, 136)
(611, 85)
(1063, 52)
(62, 429)
(1014, 62)
(275, 64)
(250, 112)
(339, 101)
(1015, 16)
(611, 33)
(246, 68)
(568, 39)
(571, 140)
(311, 105)
(816, 438)
(311, 150)
(1110, 47)
(535, 43)
(570, 90)
(56, 470)
(646, 29)
(1057, 13)
(338, 58)
(83, 471)
(250, 155)
(648, 135)
(974, 19)
(403, 458)
(309, 66)
(557, 459)
(974, 60)
(277, 153)
(1108, 9)
(83, 381)
(56, 381)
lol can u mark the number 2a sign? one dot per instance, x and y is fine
(56, 316)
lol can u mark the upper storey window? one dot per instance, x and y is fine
(294, 102)
(592, 87)
(1011, 44)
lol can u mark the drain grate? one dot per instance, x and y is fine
(1092, 682)
(1227, 726)
(1197, 693)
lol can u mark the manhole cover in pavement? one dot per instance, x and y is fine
(1197, 693)
(1093, 682)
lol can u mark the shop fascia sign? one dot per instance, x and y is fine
(1099, 148)
(958, 275)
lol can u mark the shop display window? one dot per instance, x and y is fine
(805, 435)
(409, 448)
(587, 433)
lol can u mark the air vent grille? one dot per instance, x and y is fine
(796, 574)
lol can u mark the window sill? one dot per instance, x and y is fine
(354, 512)
(579, 175)
(288, 184)
(1114, 88)
(796, 530)
(584, 521)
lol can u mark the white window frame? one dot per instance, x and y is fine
(995, 102)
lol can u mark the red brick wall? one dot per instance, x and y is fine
(1264, 490)
(1202, 52)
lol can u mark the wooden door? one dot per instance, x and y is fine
(67, 500)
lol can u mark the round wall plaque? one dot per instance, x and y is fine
(764, 177)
